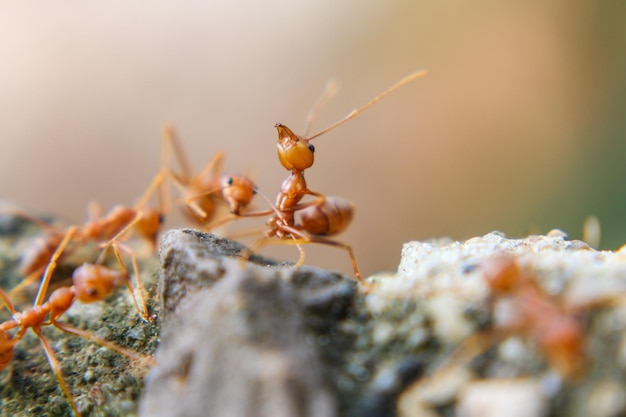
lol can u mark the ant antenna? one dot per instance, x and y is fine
(355, 112)
(330, 90)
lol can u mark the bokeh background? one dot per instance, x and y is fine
(519, 127)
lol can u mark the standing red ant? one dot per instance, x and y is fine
(325, 216)
(91, 283)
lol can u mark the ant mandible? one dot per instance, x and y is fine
(91, 283)
(325, 216)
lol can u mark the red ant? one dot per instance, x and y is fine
(144, 220)
(556, 332)
(203, 193)
(533, 314)
(325, 216)
(91, 283)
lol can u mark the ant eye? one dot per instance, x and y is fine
(161, 219)
(311, 148)
(230, 181)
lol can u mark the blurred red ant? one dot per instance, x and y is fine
(203, 193)
(556, 331)
(91, 283)
(325, 216)
(145, 221)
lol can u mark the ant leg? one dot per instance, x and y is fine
(115, 245)
(94, 211)
(255, 246)
(56, 369)
(183, 181)
(190, 201)
(302, 255)
(157, 182)
(102, 342)
(171, 141)
(348, 248)
(143, 311)
(52, 264)
(214, 167)
(221, 222)
(7, 301)
(105, 246)
(304, 239)
(319, 201)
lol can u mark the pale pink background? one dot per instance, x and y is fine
(488, 141)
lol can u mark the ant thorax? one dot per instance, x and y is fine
(292, 190)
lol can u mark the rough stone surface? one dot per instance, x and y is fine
(587, 285)
(406, 348)
(243, 343)
(102, 382)
(263, 338)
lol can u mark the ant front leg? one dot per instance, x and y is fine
(52, 264)
(140, 305)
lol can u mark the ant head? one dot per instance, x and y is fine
(294, 152)
(502, 273)
(95, 282)
(238, 191)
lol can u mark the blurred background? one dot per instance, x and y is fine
(519, 127)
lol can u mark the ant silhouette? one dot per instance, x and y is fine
(326, 215)
(92, 282)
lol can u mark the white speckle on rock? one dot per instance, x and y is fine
(449, 322)
(607, 399)
(442, 387)
(383, 332)
(513, 350)
(501, 397)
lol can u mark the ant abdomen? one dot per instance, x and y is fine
(7, 349)
(328, 218)
(37, 254)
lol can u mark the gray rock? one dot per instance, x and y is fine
(238, 339)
